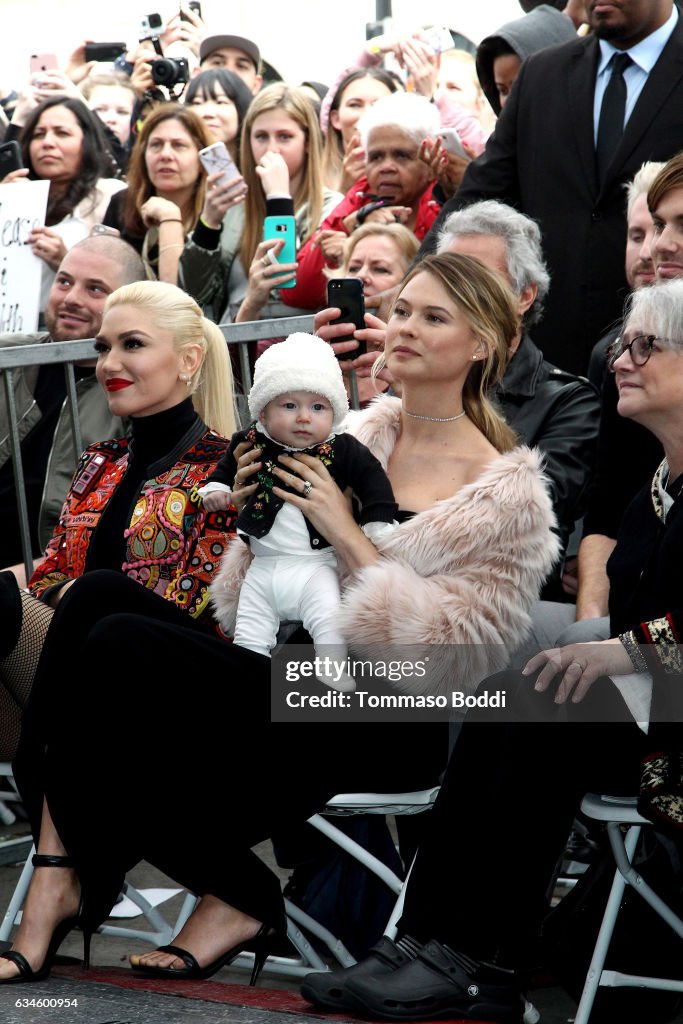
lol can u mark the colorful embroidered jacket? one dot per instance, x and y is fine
(173, 546)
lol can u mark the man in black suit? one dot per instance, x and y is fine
(542, 159)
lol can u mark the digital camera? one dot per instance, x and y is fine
(170, 71)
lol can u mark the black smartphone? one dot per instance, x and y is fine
(106, 52)
(347, 294)
(10, 158)
(195, 6)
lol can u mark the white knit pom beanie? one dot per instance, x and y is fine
(301, 362)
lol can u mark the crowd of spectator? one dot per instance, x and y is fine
(513, 214)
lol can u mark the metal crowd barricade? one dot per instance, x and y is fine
(70, 352)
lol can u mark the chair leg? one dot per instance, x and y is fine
(18, 897)
(609, 918)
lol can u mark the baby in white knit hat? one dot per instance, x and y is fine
(298, 403)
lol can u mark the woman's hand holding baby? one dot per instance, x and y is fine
(325, 506)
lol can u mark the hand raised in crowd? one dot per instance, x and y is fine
(578, 666)
(421, 63)
(220, 196)
(382, 303)
(48, 245)
(77, 68)
(274, 174)
(188, 29)
(156, 210)
(382, 215)
(265, 273)
(332, 245)
(42, 86)
(373, 336)
(18, 175)
(141, 75)
(353, 165)
(448, 168)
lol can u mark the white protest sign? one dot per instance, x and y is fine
(23, 205)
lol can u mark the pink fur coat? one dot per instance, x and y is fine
(457, 580)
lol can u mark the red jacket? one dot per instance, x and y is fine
(310, 291)
(173, 546)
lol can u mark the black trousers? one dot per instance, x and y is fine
(151, 740)
(504, 811)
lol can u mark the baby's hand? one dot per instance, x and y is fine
(216, 501)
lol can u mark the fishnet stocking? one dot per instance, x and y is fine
(18, 669)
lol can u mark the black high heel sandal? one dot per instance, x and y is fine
(26, 973)
(260, 945)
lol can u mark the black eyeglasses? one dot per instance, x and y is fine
(640, 348)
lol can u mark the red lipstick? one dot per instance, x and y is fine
(117, 384)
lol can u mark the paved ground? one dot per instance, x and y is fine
(111, 994)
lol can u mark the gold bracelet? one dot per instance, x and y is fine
(171, 220)
(172, 245)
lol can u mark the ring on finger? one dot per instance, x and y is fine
(308, 487)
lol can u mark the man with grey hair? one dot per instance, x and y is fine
(548, 408)
(88, 274)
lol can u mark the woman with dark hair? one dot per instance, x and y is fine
(343, 156)
(165, 188)
(63, 142)
(221, 99)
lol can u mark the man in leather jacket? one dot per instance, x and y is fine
(89, 272)
(549, 408)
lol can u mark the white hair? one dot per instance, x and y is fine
(414, 115)
(658, 309)
(522, 239)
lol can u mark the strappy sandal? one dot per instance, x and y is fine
(26, 973)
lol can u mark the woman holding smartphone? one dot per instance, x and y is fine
(221, 99)
(226, 263)
(165, 188)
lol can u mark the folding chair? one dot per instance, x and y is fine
(301, 925)
(159, 933)
(618, 812)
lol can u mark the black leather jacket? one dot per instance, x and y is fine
(559, 413)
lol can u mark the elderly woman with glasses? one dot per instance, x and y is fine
(464, 945)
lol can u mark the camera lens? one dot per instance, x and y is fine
(169, 72)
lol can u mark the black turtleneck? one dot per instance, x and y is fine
(154, 440)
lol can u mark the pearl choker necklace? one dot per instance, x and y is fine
(435, 419)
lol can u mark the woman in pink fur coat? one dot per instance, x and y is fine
(459, 574)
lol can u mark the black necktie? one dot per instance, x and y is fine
(612, 113)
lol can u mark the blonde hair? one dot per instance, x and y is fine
(404, 240)
(490, 308)
(295, 104)
(173, 310)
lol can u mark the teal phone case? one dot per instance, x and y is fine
(282, 227)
